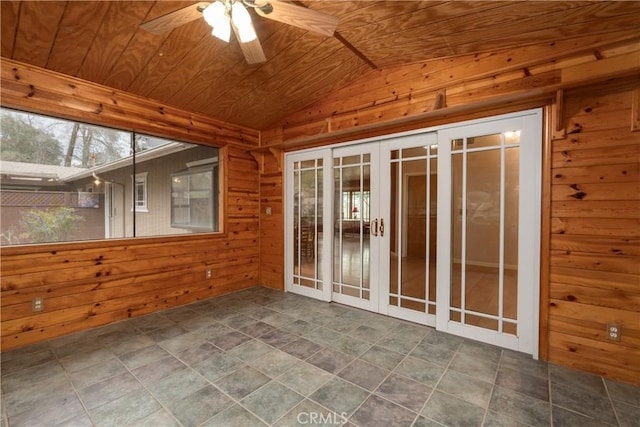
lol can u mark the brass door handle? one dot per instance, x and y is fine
(374, 229)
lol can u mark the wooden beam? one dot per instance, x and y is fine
(356, 51)
(608, 68)
(536, 97)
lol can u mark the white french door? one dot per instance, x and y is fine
(308, 224)
(489, 230)
(438, 227)
(356, 226)
(408, 249)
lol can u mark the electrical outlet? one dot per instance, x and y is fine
(208, 274)
(613, 332)
(268, 210)
(38, 304)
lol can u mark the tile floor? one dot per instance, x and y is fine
(260, 357)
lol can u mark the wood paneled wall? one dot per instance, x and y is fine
(87, 284)
(594, 179)
(595, 235)
(271, 226)
(432, 92)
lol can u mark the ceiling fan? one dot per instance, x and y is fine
(225, 15)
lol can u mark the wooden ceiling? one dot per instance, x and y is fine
(100, 41)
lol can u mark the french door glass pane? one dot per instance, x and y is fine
(457, 229)
(296, 224)
(412, 229)
(351, 226)
(307, 221)
(485, 198)
(482, 243)
(433, 232)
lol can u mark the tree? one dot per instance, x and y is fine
(50, 225)
(21, 141)
(72, 144)
(101, 144)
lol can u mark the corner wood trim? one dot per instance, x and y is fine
(259, 157)
(557, 116)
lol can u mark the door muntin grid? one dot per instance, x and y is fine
(307, 223)
(413, 225)
(484, 222)
(351, 248)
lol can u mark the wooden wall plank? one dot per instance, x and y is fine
(620, 227)
(600, 262)
(616, 173)
(598, 191)
(596, 244)
(593, 356)
(617, 299)
(596, 209)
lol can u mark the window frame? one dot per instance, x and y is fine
(140, 177)
(219, 183)
(207, 165)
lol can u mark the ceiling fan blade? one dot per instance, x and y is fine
(252, 50)
(175, 19)
(298, 16)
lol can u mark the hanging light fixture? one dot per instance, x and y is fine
(217, 16)
(221, 15)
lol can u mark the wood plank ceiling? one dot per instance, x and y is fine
(101, 41)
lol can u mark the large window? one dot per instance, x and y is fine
(66, 181)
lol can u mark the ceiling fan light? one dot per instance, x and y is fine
(217, 17)
(242, 22)
(223, 32)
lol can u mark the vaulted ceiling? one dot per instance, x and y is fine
(100, 41)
